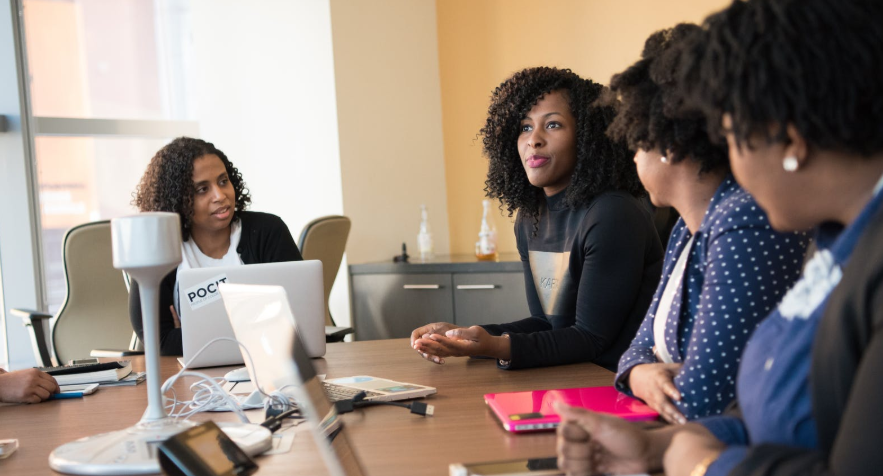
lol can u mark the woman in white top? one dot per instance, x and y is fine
(194, 179)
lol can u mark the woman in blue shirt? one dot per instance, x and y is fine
(725, 268)
(802, 112)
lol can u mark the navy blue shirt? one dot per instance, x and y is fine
(737, 271)
(773, 386)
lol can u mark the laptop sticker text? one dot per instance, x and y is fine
(204, 293)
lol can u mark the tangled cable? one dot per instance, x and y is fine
(208, 395)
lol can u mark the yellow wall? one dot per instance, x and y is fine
(482, 42)
(389, 120)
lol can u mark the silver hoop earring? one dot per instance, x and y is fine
(663, 159)
(790, 164)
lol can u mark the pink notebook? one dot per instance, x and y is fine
(532, 411)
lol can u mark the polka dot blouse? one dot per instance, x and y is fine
(737, 272)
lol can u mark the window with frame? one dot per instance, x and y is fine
(109, 84)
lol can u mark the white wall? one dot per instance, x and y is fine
(389, 111)
(266, 97)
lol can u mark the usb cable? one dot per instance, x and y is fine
(358, 401)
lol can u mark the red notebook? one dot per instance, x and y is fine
(532, 410)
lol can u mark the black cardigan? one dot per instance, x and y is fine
(846, 377)
(265, 239)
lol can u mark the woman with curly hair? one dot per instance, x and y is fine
(590, 251)
(194, 179)
(802, 112)
(707, 287)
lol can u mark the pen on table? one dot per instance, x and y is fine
(59, 396)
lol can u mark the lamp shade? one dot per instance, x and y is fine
(146, 243)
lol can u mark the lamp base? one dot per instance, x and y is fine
(133, 450)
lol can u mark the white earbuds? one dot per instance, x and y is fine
(790, 164)
(663, 159)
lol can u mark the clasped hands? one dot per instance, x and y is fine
(592, 443)
(438, 340)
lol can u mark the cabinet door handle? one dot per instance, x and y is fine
(476, 286)
(422, 286)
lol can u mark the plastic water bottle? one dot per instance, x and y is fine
(424, 237)
(486, 246)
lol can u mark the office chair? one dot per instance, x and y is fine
(324, 239)
(95, 312)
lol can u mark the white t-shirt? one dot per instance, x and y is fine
(193, 257)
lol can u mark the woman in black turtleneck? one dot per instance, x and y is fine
(591, 254)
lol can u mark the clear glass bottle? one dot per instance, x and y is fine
(424, 237)
(486, 246)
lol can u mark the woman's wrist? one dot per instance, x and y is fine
(630, 378)
(503, 348)
(658, 441)
(702, 467)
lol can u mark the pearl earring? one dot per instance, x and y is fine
(790, 164)
(663, 159)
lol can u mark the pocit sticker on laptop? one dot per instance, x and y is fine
(204, 293)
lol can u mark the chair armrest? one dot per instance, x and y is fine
(28, 315)
(336, 334)
(38, 328)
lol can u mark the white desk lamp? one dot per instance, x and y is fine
(148, 247)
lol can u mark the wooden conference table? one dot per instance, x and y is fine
(389, 440)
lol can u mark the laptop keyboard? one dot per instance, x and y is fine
(337, 393)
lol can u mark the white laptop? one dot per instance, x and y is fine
(261, 321)
(258, 311)
(203, 317)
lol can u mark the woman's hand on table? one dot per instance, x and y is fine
(461, 342)
(26, 386)
(428, 329)
(654, 384)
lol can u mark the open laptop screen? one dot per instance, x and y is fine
(261, 320)
(330, 426)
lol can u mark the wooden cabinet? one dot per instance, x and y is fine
(391, 300)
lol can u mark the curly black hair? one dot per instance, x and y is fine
(602, 163)
(167, 184)
(651, 112)
(814, 64)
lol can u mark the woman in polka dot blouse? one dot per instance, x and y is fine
(802, 112)
(725, 269)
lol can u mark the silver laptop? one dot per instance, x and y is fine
(204, 318)
(261, 322)
(250, 306)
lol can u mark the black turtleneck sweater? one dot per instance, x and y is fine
(590, 273)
